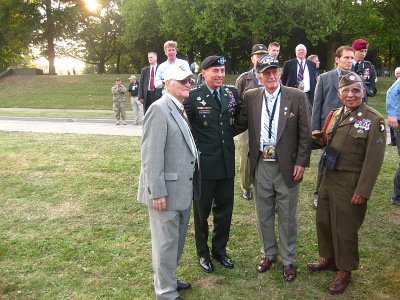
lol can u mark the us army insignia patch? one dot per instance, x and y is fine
(381, 126)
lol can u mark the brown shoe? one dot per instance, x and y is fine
(323, 264)
(340, 283)
(264, 265)
(289, 272)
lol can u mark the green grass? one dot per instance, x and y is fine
(62, 91)
(71, 228)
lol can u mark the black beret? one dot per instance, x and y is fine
(213, 61)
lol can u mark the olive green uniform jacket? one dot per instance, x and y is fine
(212, 129)
(361, 139)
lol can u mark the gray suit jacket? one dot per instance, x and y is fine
(294, 135)
(168, 162)
(325, 98)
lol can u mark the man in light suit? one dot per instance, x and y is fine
(326, 99)
(306, 82)
(169, 158)
(147, 91)
(278, 122)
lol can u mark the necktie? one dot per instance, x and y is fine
(152, 79)
(268, 126)
(300, 74)
(356, 67)
(215, 94)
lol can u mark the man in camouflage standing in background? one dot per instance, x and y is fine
(118, 91)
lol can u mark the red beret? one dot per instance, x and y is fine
(360, 44)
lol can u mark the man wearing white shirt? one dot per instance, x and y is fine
(170, 49)
(280, 145)
(300, 73)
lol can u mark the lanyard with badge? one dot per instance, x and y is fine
(269, 150)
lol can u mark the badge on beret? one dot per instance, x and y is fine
(205, 123)
(222, 61)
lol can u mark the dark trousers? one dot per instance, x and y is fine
(216, 195)
(151, 97)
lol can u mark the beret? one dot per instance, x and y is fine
(213, 61)
(266, 62)
(360, 44)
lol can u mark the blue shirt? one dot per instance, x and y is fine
(158, 79)
(393, 100)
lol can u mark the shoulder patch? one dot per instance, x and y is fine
(382, 126)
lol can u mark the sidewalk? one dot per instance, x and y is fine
(79, 125)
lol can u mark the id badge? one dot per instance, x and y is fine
(269, 153)
(301, 86)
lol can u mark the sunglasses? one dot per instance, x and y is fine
(187, 80)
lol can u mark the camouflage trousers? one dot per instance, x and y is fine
(119, 108)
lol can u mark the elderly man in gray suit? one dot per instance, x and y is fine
(326, 99)
(278, 122)
(169, 159)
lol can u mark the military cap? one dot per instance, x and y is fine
(213, 61)
(360, 44)
(259, 48)
(346, 78)
(266, 62)
(118, 79)
(178, 72)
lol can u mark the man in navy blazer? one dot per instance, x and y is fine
(169, 158)
(147, 91)
(290, 74)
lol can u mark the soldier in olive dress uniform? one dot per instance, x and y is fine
(364, 68)
(358, 134)
(211, 109)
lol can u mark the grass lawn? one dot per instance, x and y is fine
(71, 227)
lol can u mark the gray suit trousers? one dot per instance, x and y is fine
(270, 190)
(168, 234)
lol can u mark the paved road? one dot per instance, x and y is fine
(67, 124)
(72, 125)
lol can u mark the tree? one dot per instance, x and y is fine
(17, 17)
(57, 20)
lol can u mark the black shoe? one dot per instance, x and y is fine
(206, 264)
(182, 285)
(224, 260)
(247, 194)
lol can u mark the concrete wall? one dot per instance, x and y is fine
(25, 71)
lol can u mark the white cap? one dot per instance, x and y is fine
(178, 72)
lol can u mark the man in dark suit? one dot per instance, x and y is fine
(326, 99)
(300, 73)
(211, 109)
(147, 91)
(166, 180)
(280, 145)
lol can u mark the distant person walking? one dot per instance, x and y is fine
(118, 91)
(137, 105)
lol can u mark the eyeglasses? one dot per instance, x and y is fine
(355, 91)
(187, 80)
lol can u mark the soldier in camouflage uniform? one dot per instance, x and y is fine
(118, 91)
(364, 68)
(211, 109)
